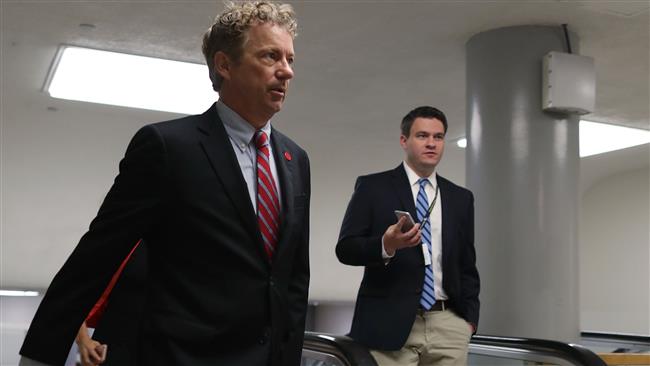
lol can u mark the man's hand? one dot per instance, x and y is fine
(395, 239)
(89, 349)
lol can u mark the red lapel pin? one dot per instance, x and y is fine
(287, 155)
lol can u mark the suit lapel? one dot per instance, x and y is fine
(217, 147)
(285, 174)
(445, 212)
(403, 189)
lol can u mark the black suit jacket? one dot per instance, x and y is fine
(210, 288)
(390, 293)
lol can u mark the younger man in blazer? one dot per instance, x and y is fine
(418, 300)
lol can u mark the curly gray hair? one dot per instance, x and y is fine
(230, 28)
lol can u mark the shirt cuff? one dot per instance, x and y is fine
(384, 254)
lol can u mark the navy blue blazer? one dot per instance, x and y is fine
(389, 294)
(210, 286)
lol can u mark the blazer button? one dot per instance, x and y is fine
(264, 338)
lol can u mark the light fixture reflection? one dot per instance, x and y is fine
(598, 138)
(18, 293)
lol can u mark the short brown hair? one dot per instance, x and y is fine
(422, 112)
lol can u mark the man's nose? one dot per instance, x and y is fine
(285, 71)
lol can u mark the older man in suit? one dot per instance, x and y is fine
(418, 300)
(222, 200)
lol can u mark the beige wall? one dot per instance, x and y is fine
(615, 254)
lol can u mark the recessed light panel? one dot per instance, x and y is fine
(121, 79)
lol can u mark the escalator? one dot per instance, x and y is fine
(615, 342)
(491, 350)
(330, 350)
(618, 348)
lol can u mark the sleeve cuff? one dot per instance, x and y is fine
(384, 254)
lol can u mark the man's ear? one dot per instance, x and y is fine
(222, 64)
(402, 141)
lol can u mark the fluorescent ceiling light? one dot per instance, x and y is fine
(120, 79)
(18, 293)
(597, 138)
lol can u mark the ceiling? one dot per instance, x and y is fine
(360, 66)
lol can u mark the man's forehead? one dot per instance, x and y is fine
(269, 32)
(422, 123)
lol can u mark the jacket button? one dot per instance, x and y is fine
(264, 338)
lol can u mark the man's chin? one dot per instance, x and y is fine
(429, 164)
(275, 107)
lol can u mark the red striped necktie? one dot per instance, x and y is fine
(268, 205)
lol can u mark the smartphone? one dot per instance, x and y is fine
(102, 349)
(409, 223)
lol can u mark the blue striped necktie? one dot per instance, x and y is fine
(422, 205)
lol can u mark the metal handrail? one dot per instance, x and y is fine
(342, 347)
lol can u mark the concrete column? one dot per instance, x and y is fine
(523, 167)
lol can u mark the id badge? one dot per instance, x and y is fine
(426, 254)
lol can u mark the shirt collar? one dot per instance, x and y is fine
(413, 177)
(237, 128)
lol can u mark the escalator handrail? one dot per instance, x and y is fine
(574, 353)
(618, 337)
(343, 347)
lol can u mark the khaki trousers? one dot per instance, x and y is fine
(437, 338)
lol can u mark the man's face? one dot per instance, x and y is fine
(255, 85)
(424, 145)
